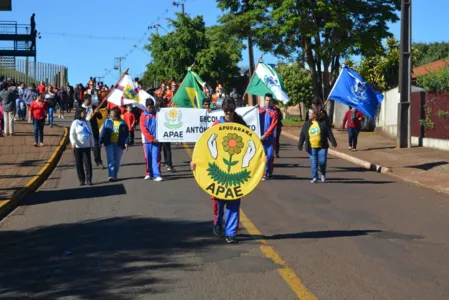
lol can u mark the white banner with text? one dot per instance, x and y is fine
(187, 124)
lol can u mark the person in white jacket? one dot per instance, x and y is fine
(82, 141)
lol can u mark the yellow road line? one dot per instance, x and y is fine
(285, 271)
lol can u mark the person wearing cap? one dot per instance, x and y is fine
(151, 146)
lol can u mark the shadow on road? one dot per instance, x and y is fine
(46, 196)
(429, 166)
(115, 258)
(311, 235)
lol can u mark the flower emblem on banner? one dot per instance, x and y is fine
(234, 165)
(173, 119)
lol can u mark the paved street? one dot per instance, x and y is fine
(362, 235)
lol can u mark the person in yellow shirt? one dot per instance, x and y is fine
(315, 135)
(115, 137)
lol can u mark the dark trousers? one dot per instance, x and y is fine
(38, 126)
(83, 163)
(353, 134)
(97, 151)
(166, 147)
(278, 137)
(131, 137)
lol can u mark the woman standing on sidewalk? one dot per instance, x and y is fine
(82, 140)
(315, 134)
(8, 98)
(353, 121)
(38, 111)
(114, 136)
(51, 103)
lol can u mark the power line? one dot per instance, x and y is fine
(144, 35)
(84, 36)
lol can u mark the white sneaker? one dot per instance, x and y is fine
(314, 180)
(158, 179)
(147, 177)
(349, 148)
(323, 178)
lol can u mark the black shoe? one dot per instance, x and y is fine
(89, 183)
(231, 240)
(81, 183)
(277, 156)
(217, 230)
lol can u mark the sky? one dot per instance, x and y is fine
(86, 35)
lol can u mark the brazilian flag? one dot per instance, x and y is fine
(189, 93)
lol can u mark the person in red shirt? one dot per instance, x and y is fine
(131, 121)
(41, 88)
(353, 121)
(38, 111)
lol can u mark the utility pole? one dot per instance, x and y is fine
(177, 4)
(251, 98)
(118, 64)
(405, 76)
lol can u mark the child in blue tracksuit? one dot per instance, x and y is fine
(268, 125)
(232, 206)
(151, 146)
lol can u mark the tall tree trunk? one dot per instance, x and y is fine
(316, 81)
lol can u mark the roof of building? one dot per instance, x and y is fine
(433, 66)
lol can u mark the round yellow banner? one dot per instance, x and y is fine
(230, 161)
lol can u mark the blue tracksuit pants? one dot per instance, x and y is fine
(268, 145)
(152, 159)
(232, 217)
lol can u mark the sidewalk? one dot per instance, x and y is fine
(424, 167)
(24, 167)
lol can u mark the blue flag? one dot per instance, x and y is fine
(352, 90)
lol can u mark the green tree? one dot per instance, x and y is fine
(215, 52)
(176, 51)
(382, 70)
(218, 62)
(429, 52)
(322, 31)
(435, 81)
(297, 82)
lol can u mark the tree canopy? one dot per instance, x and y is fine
(321, 31)
(425, 53)
(214, 52)
(382, 70)
(297, 82)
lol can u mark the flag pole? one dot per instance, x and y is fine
(111, 90)
(252, 75)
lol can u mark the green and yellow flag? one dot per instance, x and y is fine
(189, 93)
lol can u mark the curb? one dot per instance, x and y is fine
(359, 162)
(8, 205)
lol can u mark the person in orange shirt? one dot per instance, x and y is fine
(131, 121)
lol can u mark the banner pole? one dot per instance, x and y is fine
(110, 92)
(252, 75)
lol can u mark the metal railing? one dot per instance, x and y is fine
(28, 71)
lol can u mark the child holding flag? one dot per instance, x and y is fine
(151, 146)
